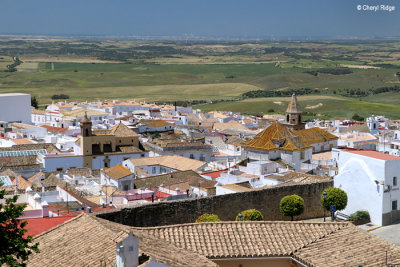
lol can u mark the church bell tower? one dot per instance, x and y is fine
(293, 115)
(86, 126)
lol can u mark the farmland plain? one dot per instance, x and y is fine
(343, 76)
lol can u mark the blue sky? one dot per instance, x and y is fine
(209, 18)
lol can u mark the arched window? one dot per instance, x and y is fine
(86, 132)
(287, 117)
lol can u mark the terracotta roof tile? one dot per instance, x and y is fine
(314, 244)
(151, 124)
(121, 130)
(279, 135)
(21, 182)
(55, 129)
(315, 135)
(173, 162)
(22, 141)
(90, 241)
(179, 177)
(117, 172)
(243, 239)
(219, 126)
(373, 154)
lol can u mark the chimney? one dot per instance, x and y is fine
(127, 252)
(46, 209)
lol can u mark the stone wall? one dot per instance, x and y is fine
(225, 206)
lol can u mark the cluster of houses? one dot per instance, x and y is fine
(84, 157)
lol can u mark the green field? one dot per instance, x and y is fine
(332, 106)
(209, 71)
(4, 61)
(106, 80)
(166, 93)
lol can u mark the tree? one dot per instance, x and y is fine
(251, 215)
(335, 197)
(14, 247)
(206, 217)
(34, 102)
(357, 117)
(292, 205)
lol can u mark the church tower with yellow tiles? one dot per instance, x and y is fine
(293, 115)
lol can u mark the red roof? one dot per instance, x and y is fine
(215, 174)
(373, 154)
(39, 225)
(55, 129)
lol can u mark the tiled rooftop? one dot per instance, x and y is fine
(173, 162)
(117, 172)
(279, 137)
(89, 241)
(312, 243)
(373, 154)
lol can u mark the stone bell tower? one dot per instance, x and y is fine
(86, 126)
(293, 115)
(86, 141)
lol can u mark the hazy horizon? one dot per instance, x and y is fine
(253, 19)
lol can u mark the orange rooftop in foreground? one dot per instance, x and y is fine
(373, 154)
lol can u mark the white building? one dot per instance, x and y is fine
(373, 124)
(118, 176)
(192, 150)
(358, 140)
(370, 179)
(160, 165)
(28, 131)
(15, 107)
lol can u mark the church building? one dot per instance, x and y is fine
(106, 148)
(289, 142)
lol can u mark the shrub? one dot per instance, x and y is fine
(292, 205)
(357, 117)
(251, 215)
(359, 216)
(335, 196)
(61, 96)
(206, 217)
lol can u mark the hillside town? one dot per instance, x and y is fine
(79, 167)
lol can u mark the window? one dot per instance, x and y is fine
(394, 205)
(191, 156)
(153, 170)
(105, 164)
(126, 187)
(59, 169)
(302, 155)
(395, 181)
